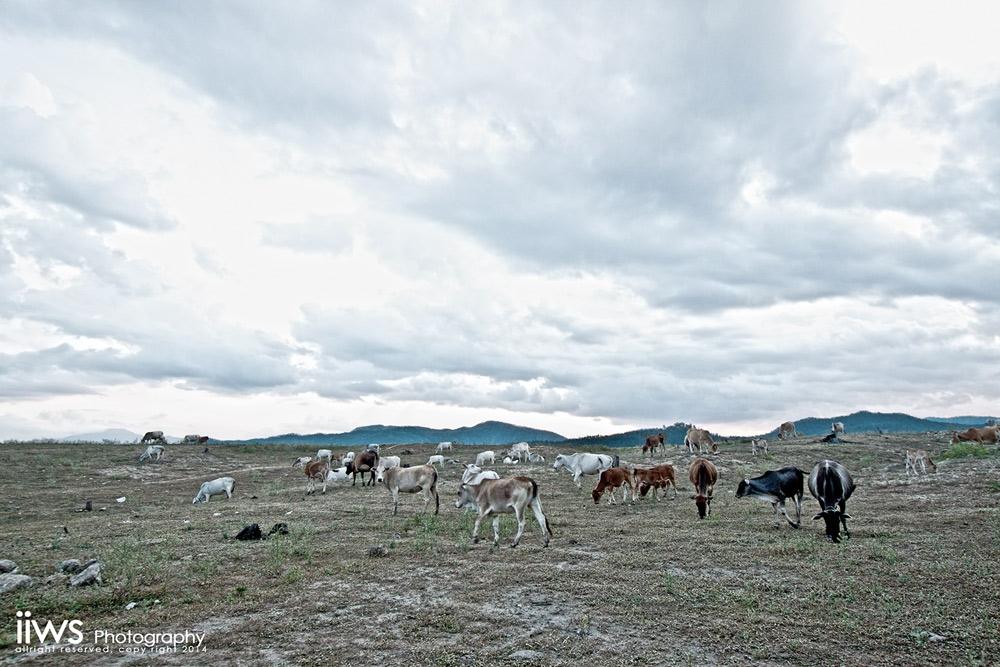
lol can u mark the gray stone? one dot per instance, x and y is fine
(90, 575)
(7, 566)
(57, 579)
(11, 582)
(70, 566)
(525, 654)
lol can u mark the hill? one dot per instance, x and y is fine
(111, 434)
(965, 420)
(486, 433)
(674, 435)
(867, 422)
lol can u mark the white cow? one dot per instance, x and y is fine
(324, 454)
(215, 488)
(520, 451)
(509, 461)
(338, 474)
(584, 464)
(347, 458)
(535, 458)
(436, 459)
(837, 427)
(301, 461)
(443, 446)
(375, 447)
(474, 474)
(153, 451)
(489, 456)
(384, 463)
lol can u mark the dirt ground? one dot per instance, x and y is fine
(917, 583)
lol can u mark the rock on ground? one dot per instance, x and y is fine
(7, 566)
(12, 582)
(90, 575)
(70, 566)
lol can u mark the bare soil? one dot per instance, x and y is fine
(918, 582)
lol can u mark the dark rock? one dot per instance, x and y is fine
(251, 532)
(378, 551)
(278, 529)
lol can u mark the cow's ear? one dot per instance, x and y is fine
(818, 516)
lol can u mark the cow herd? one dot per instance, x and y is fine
(486, 492)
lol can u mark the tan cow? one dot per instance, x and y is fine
(701, 438)
(316, 471)
(504, 496)
(987, 434)
(411, 480)
(918, 456)
(610, 480)
(787, 430)
(758, 444)
(703, 475)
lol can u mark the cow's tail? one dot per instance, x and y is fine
(536, 505)
(434, 490)
(615, 460)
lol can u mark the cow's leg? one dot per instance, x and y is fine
(229, 494)
(790, 522)
(479, 519)
(496, 531)
(576, 478)
(774, 506)
(798, 511)
(519, 514)
(395, 500)
(843, 517)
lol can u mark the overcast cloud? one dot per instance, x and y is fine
(242, 219)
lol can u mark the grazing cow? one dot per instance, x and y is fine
(411, 480)
(837, 428)
(152, 451)
(301, 461)
(152, 436)
(535, 458)
(584, 464)
(364, 462)
(316, 471)
(701, 438)
(473, 474)
(215, 488)
(918, 456)
(489, 456)
(657, 477)
(703, 476)
(786, 431)
(443, 446)
(384, 464)
(758, 444)
(831, 485)
(324, 454)
(504, 496)
(987, 434)
(652, 443)
(195, 439)
(776, 486)
(520, 451)
(612, 479)
(436, 459)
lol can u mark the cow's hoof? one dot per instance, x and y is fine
(795, 525)
(513, 545)
(475, 540)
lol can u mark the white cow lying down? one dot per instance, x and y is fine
(215, 488)
(584, 464)
(337, 474)
(473, 474)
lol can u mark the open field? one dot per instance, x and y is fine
(643, 584)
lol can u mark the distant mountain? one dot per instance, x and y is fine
(868, 422)
(487, 433)
(674, 435)
(967, 420)
(112, 434)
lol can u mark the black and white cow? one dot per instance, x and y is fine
(776, 486)
(831, 485)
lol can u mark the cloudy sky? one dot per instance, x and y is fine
(229, 219)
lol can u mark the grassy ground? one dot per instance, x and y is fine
(643, 584)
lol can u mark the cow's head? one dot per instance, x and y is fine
(380, 475)
(559, 462)
(465, 497)
(703, 503)
(743, 488)
(833, 518)
(597, 496)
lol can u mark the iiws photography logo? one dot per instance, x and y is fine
(68, 635)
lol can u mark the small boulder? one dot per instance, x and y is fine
(57, 579)
(378, 551)
(90, 575)
(251, 532)
(70, 566)
(8, 566)
(278, 529)
(526, 655)
(12, 582)
(131, 605)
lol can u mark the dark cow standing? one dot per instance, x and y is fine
(831, 485)
(776, 486)
(364, 462)
(652, 443)
(703, 475)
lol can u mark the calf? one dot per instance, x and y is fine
(411, 480)
(504, 496)
(436, 459)
(703, 476)
(831, 485)
(365, 462)
(918, 456)
(535, 458)
(152, 452)
(338, 474)
(489, 456)
(443, 446)
(776, 486)
(316, 471)
(657, 477)
(758, 444)
(583, 463)
(324, 454)
(215, 488)
(612, 479)
(473, 474)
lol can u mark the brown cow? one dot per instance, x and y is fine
(364, 462)
(316, 471)
(987, 434)
(612, 478)
(504, 496)
(703, 476)
(652, 443)
(699, 437)
(787, 430)
(657, 477)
